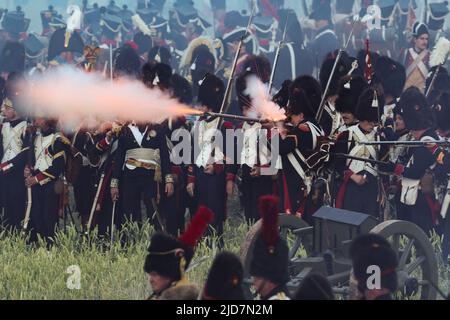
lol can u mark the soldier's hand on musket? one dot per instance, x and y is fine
(114, 194)
(30, 181)
(27, 172)
(169, 189)
(359, 179)
(256, 172)
(230, 188)
(190, 189)
(209, 169)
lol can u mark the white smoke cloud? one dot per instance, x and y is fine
(78, 98)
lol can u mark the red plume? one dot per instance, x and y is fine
(197, 227)
(268, 207)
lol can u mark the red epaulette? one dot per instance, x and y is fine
(304, 127)
(228, 125)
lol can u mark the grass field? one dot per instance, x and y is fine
(33, 272)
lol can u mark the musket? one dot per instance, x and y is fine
(158, 215)
(112, 222)
(333, 71)
(26, 220)
(406, 143)
(347, 156)
(235, 117)
(435, 75)
(95, 202)
(305, 8)
(233, 69)
(277, 57)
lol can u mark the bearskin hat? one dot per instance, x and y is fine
(350, 88)
(258, 65)
(163, 74)
(181, 89)
(313, 92)
(126, 62)
(160, 55)
(225, 278)
(362, 64)
(342, 69)
(441, 110)
(211, 92)
(271, 253)
(370, 104)
(203, 62)
(143, 42)
(415, 109)
(391, 75)
(169, 256)
(372, 249)
(294, 31)
(244, 100)
(281, 98)
(12, 57)
(314, 287)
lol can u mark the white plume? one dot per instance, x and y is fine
(75, 18)
(440, 52)
(141, 25)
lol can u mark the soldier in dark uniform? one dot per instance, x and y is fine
(211, 177)
(47, 168)
(269, 265)
(14, 145)
(101, 155)
(295, 145)
(141, 163)
(331, 119)
(359, 189)
(84, 184)
(349, 90)
(295, 60)
(441, 108)
(325, 39)
(174, 207)
(168, 259)
(417, 199)
(392, 77)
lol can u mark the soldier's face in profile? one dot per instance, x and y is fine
(158, 282)
(422, 42)
(399, 123)
(9, 113)
(349, 118)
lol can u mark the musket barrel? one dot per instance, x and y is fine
(235, 117)
(405, 143)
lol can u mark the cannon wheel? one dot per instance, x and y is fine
(295, 230)
(417, 259)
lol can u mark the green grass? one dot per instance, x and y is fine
(33, 272)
